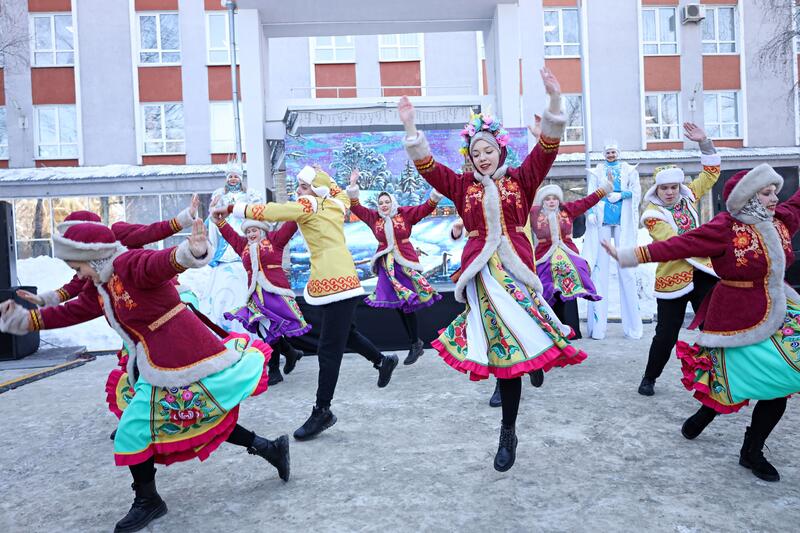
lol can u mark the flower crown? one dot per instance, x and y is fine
(483, 122)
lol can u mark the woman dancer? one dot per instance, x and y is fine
(401, 285)
(188, 384)
(507, 328)
(748, 348)
(271, 311)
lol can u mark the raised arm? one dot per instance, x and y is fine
(140, 235)
(51, 298)
(365, 214)
(709, 158)
(237, 242)
(788, 212)
(17, 320)
(283, 235)
(271, 212)
(578, 207)
(416, 213)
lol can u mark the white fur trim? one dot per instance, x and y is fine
(710, 160)
(69, 250)
(16, 322)
(338, 297)
(306, 175)
(185, 258)
(185, 218)
(417, 148)
(239, 209)
(352, 191)
(257, 277)
(750, 184)
(436, 196)
(50, 298)
(652, 196)
(627, 257)
(165, 377)
(548, 190)
(108, 268)
(670, 175)
(553, 124)
(112, 321)
(250, 223)
(63, 226)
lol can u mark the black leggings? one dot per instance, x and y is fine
(766, 415)
(510, 392)
(567, 313)
(410, 324)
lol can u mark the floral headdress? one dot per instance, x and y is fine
(483, 122)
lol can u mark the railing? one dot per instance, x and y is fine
(367, 92)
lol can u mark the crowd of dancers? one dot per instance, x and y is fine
(182, 376)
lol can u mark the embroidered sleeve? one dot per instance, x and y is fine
(705, 181)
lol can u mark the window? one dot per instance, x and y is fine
(159, 38)
(218, 38)
(33, 227)
(659, 31)
(720, 30)
(56, 132)
(400, 47)
(721, 114)
(338, 49)
(163, 128)
(52, 40)
(573, 109)
(561, 33)
(661, 117)
(223, 139)
(3, 134)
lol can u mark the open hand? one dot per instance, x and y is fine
(406, 110)
(219, 214)
(194, 205)
(610, 249)
(551, 85)
(198, 240)
(30, 297)
(354, 175)
(693, 132)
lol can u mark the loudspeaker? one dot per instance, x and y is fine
(17, 346)
(8, 254)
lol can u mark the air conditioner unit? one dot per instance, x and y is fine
(693, 13)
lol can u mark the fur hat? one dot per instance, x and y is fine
(318, 180)
(548, 190)
(745, 184)
(250, 223)
(669, 174)
(79, 217)
(85, 242)
(610, 145)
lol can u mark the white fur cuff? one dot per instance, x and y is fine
(185, 219)
(239, 208)
(417, 148)
(608, 187)
(710, 160)
(553, 124)
(51, 298)
(185, 258)
(352, 191)
(555, 104)
(627, 257)
(16, 322)
(436, 196)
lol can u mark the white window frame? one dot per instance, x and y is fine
(658, 42)
(163, 139)
(383, 46)
(657, 123)
(716, 41)
(568, 128)
(707, 125)
(337, 49)
(4, 131)
(61, 146)
(160, 51)
(224, 145)
(53, 50)
(561, 43)
(226, 49)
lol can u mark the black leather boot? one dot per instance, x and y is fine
(292, 357)
(113, 435)
(274, 378)
(147, 506)
(507, 450)
(415, 352)
(646, 387)
(496, 400)
(385, 369)
(321, 419)
(696, 423)
(275, 451)
(751, 456)
(537, 378)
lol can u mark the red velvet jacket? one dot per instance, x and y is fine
(268, 267)
(139, 300)
(399, 232)
(568, 212)
(749, 302)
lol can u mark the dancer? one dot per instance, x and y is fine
(188, 384)
(617, 217)
(401, 285)
(748, 347)
(507, 329)
(564, 273)
(672, 209)
(333, 285)
(271, 312)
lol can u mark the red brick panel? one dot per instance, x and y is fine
(3, 163)
(2, 87)
(335, 75)
(219, 83)
(45, 6)
(560, 3)
(662, 73)
(666, 145)
(401, 73)
(722, 72)
(160, 84)
(571, 148)
(221, 159)
(156, 5)
(485, 76)
(568, 72)
(659, 2)
(213, 5)
(56, 163)
(172, 159)
(729, 143)
(721, 2)
(53, 85)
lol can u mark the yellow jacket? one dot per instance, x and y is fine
(674, 278)
(321, 221)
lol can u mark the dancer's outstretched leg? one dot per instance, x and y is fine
(766, 415)
(412, 329)
(275, 451)
(510, 392)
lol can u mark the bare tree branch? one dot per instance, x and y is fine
(777, 53)
(13, 34)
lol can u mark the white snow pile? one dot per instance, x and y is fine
(107, 172)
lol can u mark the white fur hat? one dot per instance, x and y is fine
(745, 184)
(669, 174)
(308, 175)
(548, 190)
(610, 145)
(250, 223)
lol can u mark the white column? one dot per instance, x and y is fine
(194, 78)
(531, 31)
(502, 64)
(253, 64)
(368, 74)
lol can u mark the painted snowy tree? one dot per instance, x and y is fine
(375, 175)
(412, 186)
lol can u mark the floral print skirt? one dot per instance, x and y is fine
(505, 330)
(726, 378)
(400, 287)
(567, 275)
(270, 316)
(175, 424)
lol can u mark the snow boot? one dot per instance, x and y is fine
(321, 419)
(275, 451)
(751, 456)
(147, 506)
(507, 450)
(415, 352)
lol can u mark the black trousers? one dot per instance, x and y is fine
(337, 332)
(567, 313)
(410, 324)
(670, 319)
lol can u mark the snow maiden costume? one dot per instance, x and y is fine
(507, 328)
(188, 383)
(401, 284)
(681, 281)
(565, 275)
(748, 348)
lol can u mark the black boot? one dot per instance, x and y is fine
(496, 400)
(147, 506)
(751, 456)
(507, 450)
(695, 424)
(113, 435)
(292, 357)
(537, 378)
(415, 352)
(274, 378)
(385, 369)
(275, 451)
(646, 386)
(321, 419)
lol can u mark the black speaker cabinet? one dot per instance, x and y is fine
(17, 346)
(8, 255)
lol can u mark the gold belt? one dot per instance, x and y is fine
(166, 317)
(737, 284)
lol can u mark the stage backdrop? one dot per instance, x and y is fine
(384, 166)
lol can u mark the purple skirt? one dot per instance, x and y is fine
(400, 287)
(270, 316)
(566, 273)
